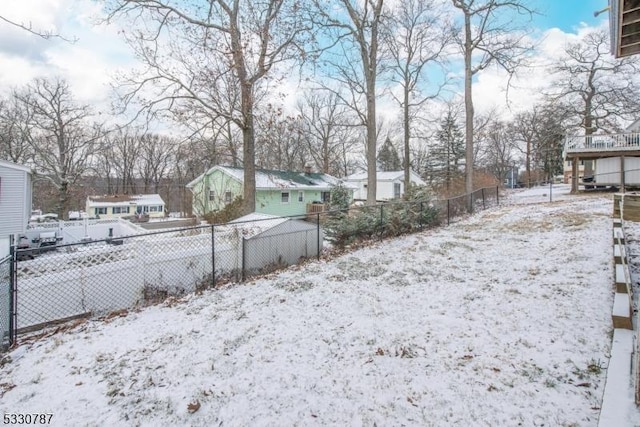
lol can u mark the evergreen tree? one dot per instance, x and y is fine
(446, 156)
(388, 159)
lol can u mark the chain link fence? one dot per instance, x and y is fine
(5, 303)
(94, 277)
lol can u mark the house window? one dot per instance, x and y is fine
(154, 208)
(284, 197)
(301, 196)
(326, 197)
(212, 195)
(101, 211)
(227, 196)
(120, 209)
(396, 190)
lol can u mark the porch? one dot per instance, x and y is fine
(590, 148)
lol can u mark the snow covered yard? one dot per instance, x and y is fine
(501, 319)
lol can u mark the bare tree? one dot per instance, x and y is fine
(279, 140)
(327, 130)
(14, 131)
(489, 36)
(190, 48)
(156, 154)
(498, 149)
(61, 135)
(415, 38)
(28, 27)
(355, 26)
(596, 88)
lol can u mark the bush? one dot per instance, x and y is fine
(230, 212)
(340, 198)
(388, 220)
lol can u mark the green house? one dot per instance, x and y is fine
(281, 193)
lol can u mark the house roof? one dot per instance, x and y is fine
(257, 223)
(386, 176)
(15, 166)
(634, 127)
(273, 179)
(125, 200)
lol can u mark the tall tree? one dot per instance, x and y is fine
(415, 37)
(156, 154)
(14, 131)
(61, 134)
(355, 26)
(447, 154)
(388, 158)
(279, 140)
(596, 88)
(327, 130)
(498, 148)
(489, 36)
(192, 48)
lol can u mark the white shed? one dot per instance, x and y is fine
(270, 242)
(15, 201)
(390, 185)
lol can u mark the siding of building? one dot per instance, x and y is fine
(218, 182)
(270, 201)
(15, 199)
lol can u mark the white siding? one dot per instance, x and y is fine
(15, 200)
(632, 170)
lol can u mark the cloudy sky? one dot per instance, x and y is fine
(97, 52)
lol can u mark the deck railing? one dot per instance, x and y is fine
(610, 142)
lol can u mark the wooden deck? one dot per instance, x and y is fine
(587, 147)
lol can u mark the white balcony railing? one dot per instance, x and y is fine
(595, 143)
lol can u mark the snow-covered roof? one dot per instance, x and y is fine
(273, 179)
(256, 223)
(125, 200)
(15, 166)
(386, 176)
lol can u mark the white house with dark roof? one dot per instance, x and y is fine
(389, 185)
(121, 205)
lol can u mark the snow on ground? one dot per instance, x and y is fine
(503, 318)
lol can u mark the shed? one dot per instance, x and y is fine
(270, 242)
(15, 201)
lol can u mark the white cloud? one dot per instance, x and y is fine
(87, 61)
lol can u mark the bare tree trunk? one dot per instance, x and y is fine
(372, 141)
(468, 107)
(407, 139)
(248, 151)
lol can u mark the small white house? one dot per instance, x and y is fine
(390, 185)
(15, 202)
(121, 205)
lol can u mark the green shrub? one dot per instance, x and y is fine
(388, 220)
(340, 198)
(230, 212)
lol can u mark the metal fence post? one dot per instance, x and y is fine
(13, 294)
(497, 195)
(243, 276)
(484, 206)
(318, 232)
(448, 211)
(420, 217)
(213, 257)
(381, 218)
